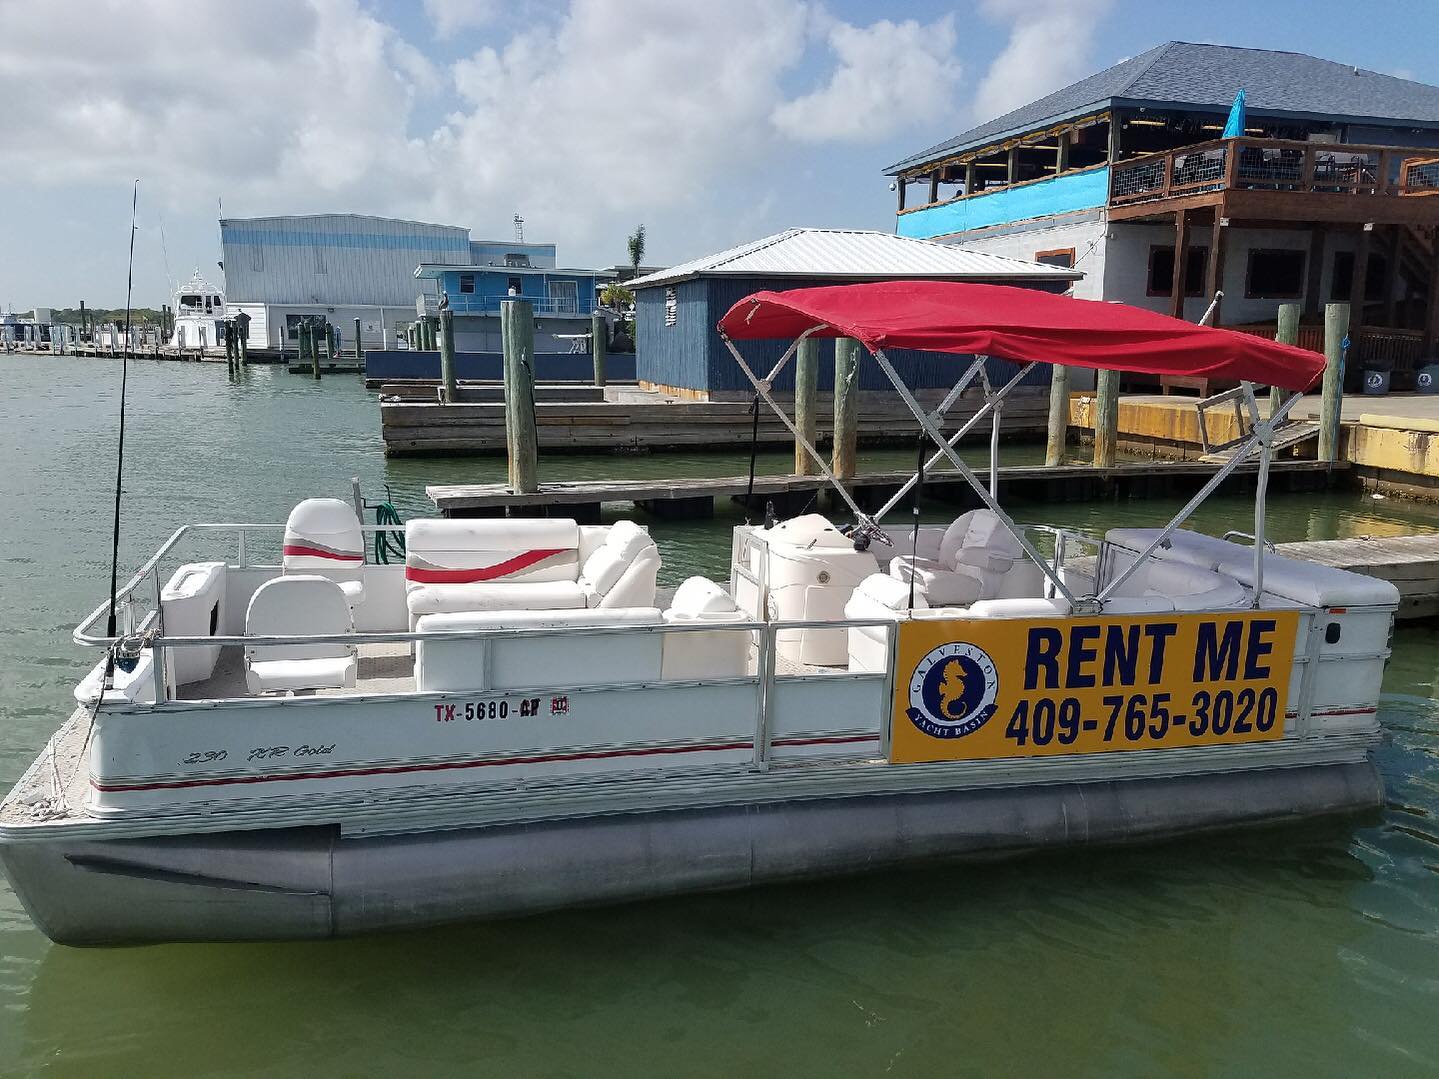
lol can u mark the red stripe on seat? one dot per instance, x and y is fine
(484, 573)
(316, 552)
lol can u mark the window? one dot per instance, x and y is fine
(1161, 271)
(1274, 275)
(672, 307)
(1342, 280)
(516, 286)
(320, 259)
(1063, 257)
(467, 283)
(517, 260)
(564, 297)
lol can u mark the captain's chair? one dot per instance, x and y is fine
(977, 559)
(292, 607)
(323, 537)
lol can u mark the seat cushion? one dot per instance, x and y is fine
(269, 676)
(483, 551)
(520, 596)
(958, 587)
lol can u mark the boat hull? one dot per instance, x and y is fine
(315, 882)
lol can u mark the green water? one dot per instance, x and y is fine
(1309, 950)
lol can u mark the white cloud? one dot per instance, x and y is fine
(451, 16)
(599, 115)
(889, 76)
(1048, 47)
(626, 107)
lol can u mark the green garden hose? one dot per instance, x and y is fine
(388, 545)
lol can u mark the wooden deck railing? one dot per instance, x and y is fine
(1275, 165)
(1402, 348)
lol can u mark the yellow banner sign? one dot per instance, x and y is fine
(970, 689)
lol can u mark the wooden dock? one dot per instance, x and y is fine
(695, 498)
(1411, 563)
(630, 426)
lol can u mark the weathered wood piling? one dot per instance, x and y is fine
(1106, 418)
(449, 392)
(598, 350)
(517, 331)
(846, 406)
(1336, 337)
(806, 401)
(1057, 430)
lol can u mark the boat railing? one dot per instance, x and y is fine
(149, 574)
(765, 678)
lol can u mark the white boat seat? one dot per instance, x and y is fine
(299, 605)
(721, 654)
(977, 558)
(454, 566)
(1187, 587)
(323, 538)
(524, 596)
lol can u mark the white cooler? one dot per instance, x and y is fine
(194, 606)
(812, 572)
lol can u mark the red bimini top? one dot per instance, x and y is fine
(1020, 324)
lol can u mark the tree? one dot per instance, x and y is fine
(616, 297)
(636, 244)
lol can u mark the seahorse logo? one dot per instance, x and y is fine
(952, 690)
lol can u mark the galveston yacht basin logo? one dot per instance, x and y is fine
(952, 690)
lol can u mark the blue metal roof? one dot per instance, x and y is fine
(1181, 73)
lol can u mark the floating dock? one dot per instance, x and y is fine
(1410, 563)
(645, 421)
(695, 498)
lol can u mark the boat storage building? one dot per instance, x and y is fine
(678, 349)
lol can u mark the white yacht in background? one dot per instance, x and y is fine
(300, 741)
(199, 309)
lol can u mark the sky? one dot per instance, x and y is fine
(712, 122)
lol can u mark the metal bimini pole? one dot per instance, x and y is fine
(1263, 430)
(965, 471)
(953, 440)
(761, 387)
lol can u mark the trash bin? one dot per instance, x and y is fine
(1427, 381)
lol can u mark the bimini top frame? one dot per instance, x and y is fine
(1028, 327)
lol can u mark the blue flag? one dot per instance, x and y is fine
(1235, 127)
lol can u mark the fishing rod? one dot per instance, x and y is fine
(110, 624)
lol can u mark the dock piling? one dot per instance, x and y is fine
(846, 407)
(517, 329)
(1106, 418)
(806, 396)
(1336, 336)
(1058, 431)
(1286, 332)
(359, 349)
(242, 342)
(599, 329)
(449, 390)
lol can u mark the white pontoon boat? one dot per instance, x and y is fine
(517, 718)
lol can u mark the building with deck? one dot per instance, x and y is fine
(678, 349)
(1330, 193)
(562, 299)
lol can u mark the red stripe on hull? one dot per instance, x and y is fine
(485, 573)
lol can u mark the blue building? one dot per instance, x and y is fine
(563, 299)
(678, 350)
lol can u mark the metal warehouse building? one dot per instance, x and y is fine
(342, 266)
(678, 349)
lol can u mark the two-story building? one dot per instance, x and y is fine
(562, 299)
(1329, 193)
